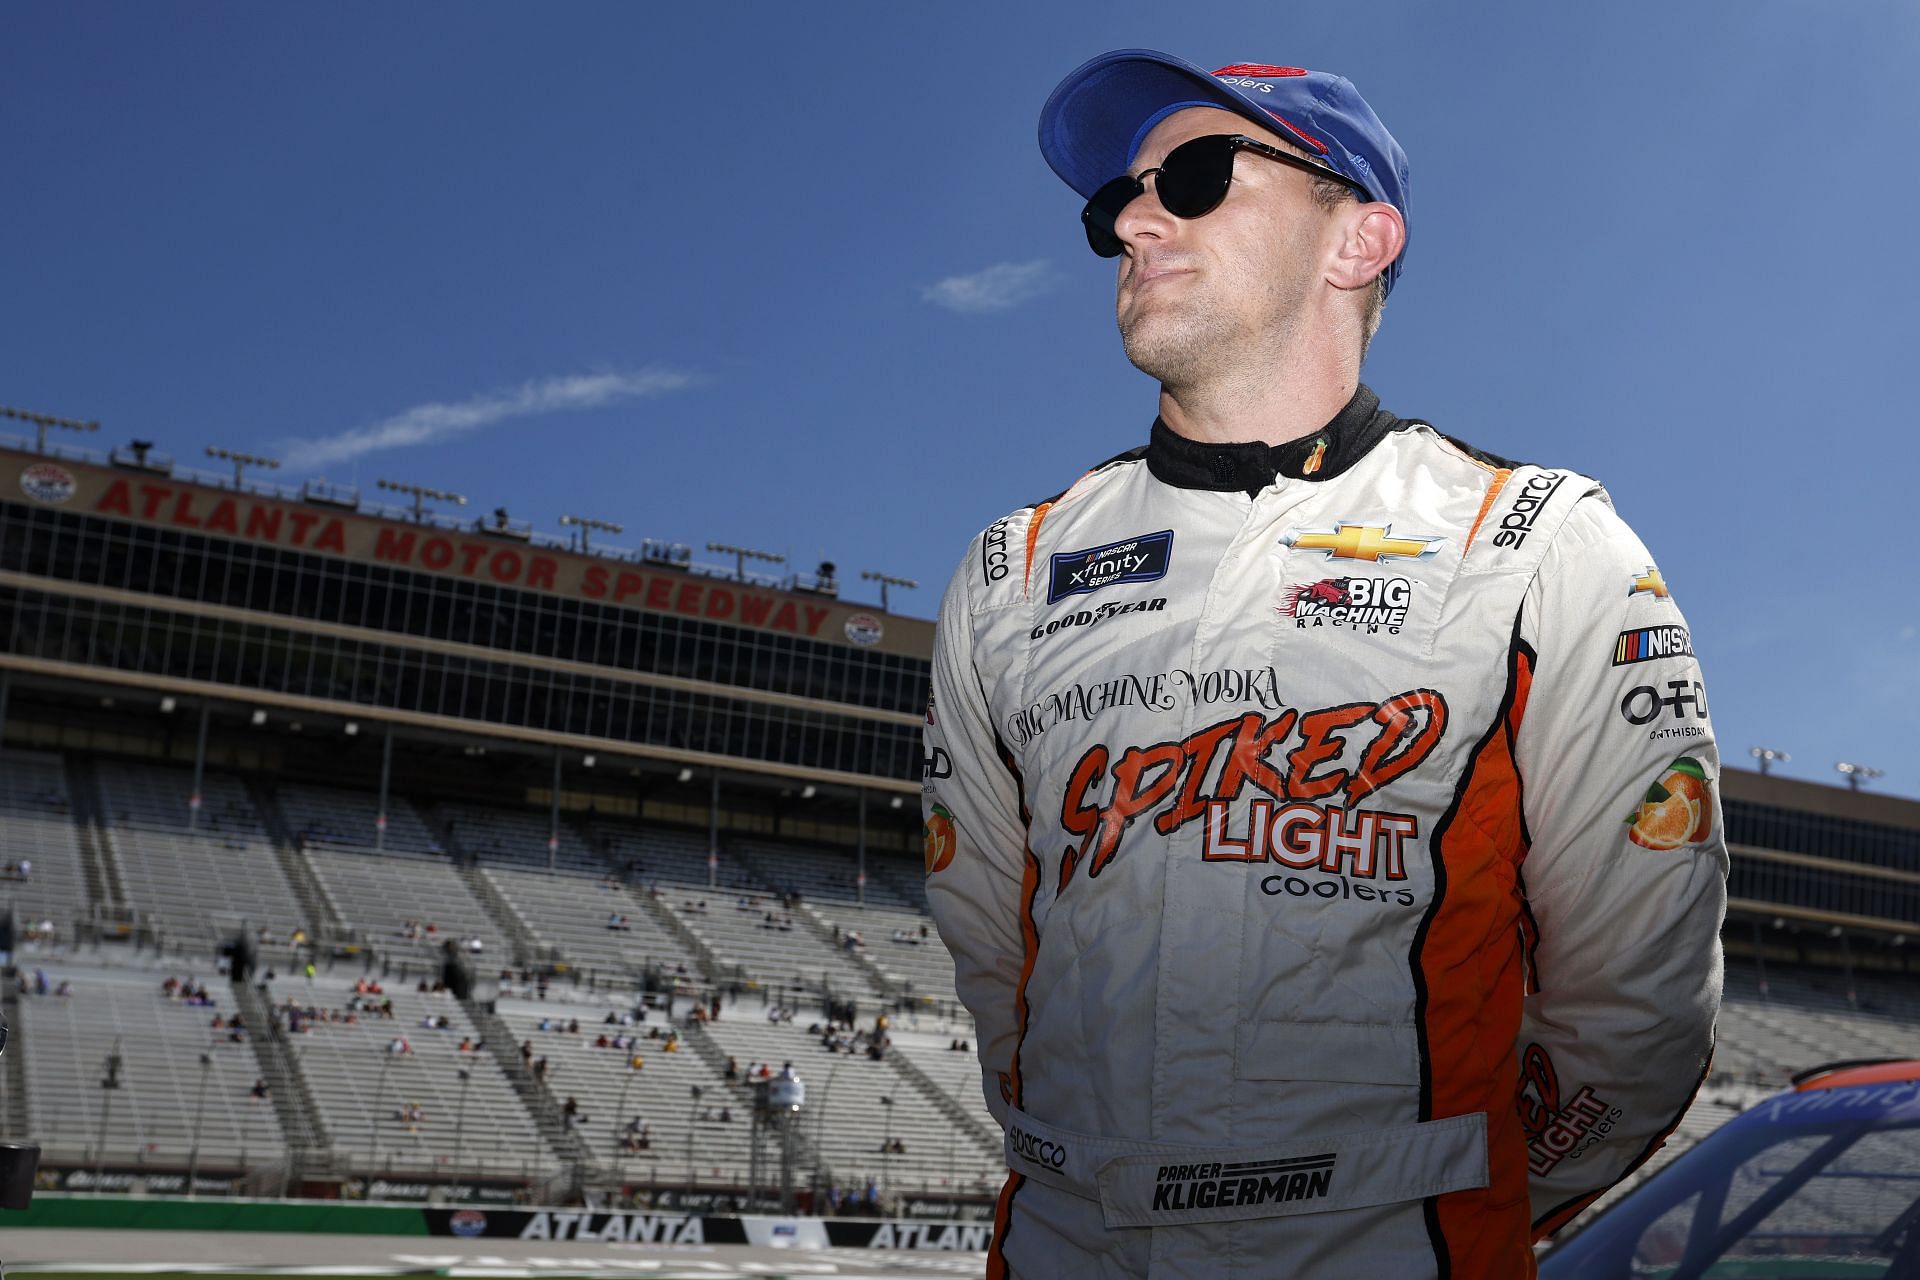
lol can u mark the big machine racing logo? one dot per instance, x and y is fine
(1371, 603)
(1306, 816)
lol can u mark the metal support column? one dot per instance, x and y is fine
(713, 834)
(386, 781)
(6, 680)
(860, 880)
(199, 767)
(553, 816)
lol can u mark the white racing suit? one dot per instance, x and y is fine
(1328, 844)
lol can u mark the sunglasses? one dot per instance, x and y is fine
(1191, 182)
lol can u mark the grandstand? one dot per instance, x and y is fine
(518, 787)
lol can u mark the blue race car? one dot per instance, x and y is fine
(1820, 1182)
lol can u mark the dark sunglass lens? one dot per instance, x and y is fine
(1193, 179)
(1103, 211)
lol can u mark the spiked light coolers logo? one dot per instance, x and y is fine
(1365, 604)
(1558, 1130)
(1303, 814)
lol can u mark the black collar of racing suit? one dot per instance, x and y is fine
(1252, 466)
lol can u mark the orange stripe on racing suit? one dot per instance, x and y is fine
(1500, 478)
(1468, 970)
(1030, 940)
(1033, 538)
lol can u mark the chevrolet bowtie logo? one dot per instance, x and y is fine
(1649, 581)
(1363, 542)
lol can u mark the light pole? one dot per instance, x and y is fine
(460, 1119)
(820, 1125)
(886, 1151)
(1856, 773)
(1767, 756)
(241, 461)
(421, 495)
(693, 1111)
(108, 1084)
(587, 523)
(620, 1110)
(887, 580)
(199, 1112)
(41, 421)
(743, 554)
(373, 1115)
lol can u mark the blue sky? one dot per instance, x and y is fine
(796, 276)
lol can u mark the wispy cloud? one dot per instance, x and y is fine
(442, 420)
(1000, 287)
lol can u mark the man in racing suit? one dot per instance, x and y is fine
(1321, 814)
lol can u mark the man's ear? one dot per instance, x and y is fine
(1372, 236)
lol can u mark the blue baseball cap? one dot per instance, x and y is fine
(1095, 121)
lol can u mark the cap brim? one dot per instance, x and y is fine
(1094, 121)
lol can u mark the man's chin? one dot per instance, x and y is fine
(1162, 348)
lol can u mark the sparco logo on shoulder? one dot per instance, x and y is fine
(1036, 1150)
(1517, 523)
(993, 551)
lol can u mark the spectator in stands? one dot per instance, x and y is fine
(539, 1068)
(573, 1027)
(726, 1114)
(466, 1044)
(570, 1113)
(398, 1045)
(260, 1090)
(602, 1042)
(733, 1068)
(636, 1063)
(526, 1053)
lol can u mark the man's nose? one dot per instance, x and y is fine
(1144, 215)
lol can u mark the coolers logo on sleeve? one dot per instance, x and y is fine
(1648, 643)
(1677, 810)
(1370, 603)
(1371, 542)
(1517, 523)
(941, 839)
(1142, 559)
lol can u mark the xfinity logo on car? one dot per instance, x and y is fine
(1141, 559)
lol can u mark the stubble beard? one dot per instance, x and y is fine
(1178, 347)
(1193, 345)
